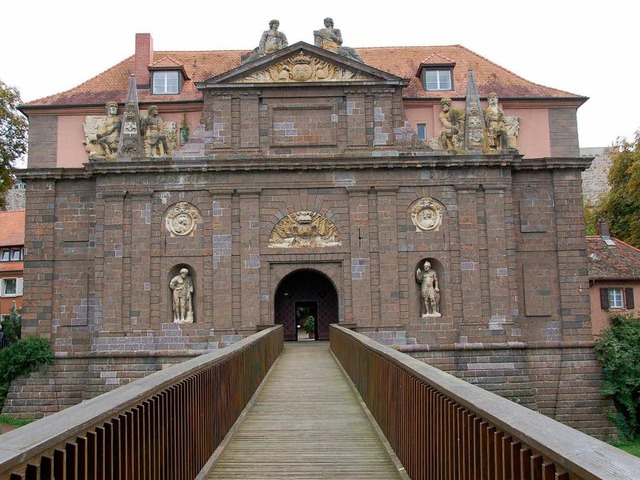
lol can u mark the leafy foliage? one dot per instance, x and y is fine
(619, 351)
(13, 135)
(22, 358)
(621, 206)
(12, 327)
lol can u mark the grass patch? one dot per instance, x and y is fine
(14, 422)
(629, 446)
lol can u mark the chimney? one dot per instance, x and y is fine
(144, 58)
(603, 227)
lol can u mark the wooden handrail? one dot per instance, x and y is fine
(165, 425)
(443, 427)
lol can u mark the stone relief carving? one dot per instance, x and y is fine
(304, 229)
(452, 119)
(302, 68)
(426, 214)
(182, 289)
(429, 290)
(330, 39)
(182, 219)
(102, 134)
(131, 143)
(475, 128)
(271, 41)
(159, 136)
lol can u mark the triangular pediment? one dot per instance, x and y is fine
(302, 63)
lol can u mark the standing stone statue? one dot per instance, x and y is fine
(429, 290)
(452, 121)
(154, 134)
(271, 41)
(182, 288)
(495, 120)
(330, 39)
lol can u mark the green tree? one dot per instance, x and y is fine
(618, 349)
(621, 206)
(13, 135)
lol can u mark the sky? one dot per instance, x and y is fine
(589, 49)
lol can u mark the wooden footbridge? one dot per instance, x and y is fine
(347, 409)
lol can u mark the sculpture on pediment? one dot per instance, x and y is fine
(159, 137)
(102, 134)
(427, 214)
(496, 124)
(427, 277)
(182, 292)
(302, 68)
(304, 229)
(271, 41)
(452, 119)
(131, 139)
(330, 38)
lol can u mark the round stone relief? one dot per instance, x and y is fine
(426, 214)
(182, 219)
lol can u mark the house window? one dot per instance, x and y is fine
(10, 287)
(422, 131)
(166, 83)
(619, 298)
(16, 254)
(438, 79)
(5, 255)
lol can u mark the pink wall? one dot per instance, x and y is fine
(71, 152)
(533, 141)
(599, 317)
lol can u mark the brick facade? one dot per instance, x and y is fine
(509, 253)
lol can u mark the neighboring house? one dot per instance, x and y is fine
(11, 260)
(614, 278)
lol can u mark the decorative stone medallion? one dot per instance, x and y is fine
(426, 214)
(182, 219)
(304, 229)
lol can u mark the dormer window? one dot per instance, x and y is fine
(438, 79)
(436, 74)
(166, 82)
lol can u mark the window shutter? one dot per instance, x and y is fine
(1, 287)
(628, 298)
(604, 298)
(19, 282)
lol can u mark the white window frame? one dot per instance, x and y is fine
(15, 251)
(166, 82)
(438, 79)
(616, 298)
(18, 289)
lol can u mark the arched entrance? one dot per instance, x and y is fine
(301, 294)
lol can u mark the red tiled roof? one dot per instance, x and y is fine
(618, 262)
(403, 62)
(12, 228)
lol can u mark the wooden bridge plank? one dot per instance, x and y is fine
(306, 423)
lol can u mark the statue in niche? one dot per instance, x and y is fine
(182, 288)
(102, 134)
(429, 290)
(154, 134)
(496, 124)
(452, 121)
(330, 39)
(271, 41)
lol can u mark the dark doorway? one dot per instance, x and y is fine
(310, 290)
(306, 325)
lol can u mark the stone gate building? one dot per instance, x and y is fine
(226, 191)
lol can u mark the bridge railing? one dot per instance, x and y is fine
(163, 426)
(444, 428)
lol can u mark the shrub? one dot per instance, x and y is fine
(619, 351)
(22, 358)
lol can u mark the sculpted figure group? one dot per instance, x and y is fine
(102, 134)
